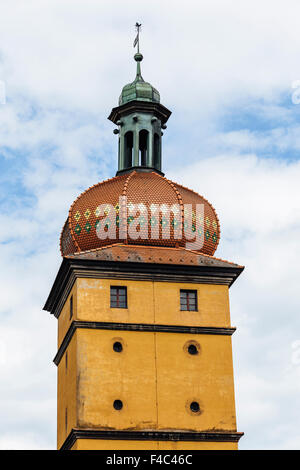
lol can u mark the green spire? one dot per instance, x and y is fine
(139, 89)
(138, 57)
(140, 119)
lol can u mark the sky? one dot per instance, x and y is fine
(230, 73)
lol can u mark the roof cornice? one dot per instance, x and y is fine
(71, 269)
(134, 106)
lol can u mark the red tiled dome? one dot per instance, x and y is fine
(97, 213)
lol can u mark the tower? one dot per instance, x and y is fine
(144, 336)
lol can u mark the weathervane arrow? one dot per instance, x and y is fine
(137, 39)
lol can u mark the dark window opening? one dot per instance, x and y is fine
(156, 152)
(118, 297)
(128, 146)
(71, 307)
(192, 349)
(117, 347)
(66, 361)
(143, 147)
(195, 407)
(118, 405)
(188, 300)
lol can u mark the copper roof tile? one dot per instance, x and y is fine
(146, 254)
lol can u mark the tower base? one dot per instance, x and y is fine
(79, 439)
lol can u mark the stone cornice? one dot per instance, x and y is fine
(187, 436)
(134, 106)
(71, 269)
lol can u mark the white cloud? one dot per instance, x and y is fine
(28, 442)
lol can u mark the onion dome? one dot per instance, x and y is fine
(140, 208)
(139, 89)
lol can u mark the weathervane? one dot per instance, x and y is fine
(137, 39)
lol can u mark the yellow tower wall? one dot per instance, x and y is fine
(67, 392)
(148, 302)
(154, 376)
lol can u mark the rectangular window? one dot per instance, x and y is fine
(118, 297)
(71, 307)
(188, 300)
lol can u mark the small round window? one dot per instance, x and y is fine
(195, 407)
(192, 348)
(118, 405)
(117, 346)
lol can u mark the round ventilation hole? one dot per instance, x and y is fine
(192, 349)
(117, 347)
(118, 405)
(195, 408)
